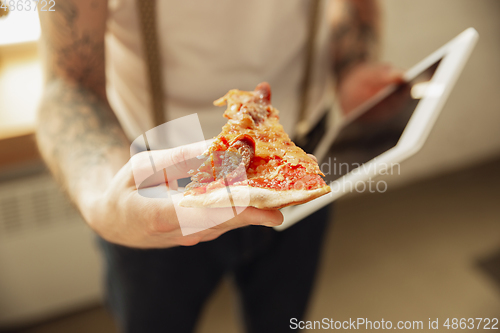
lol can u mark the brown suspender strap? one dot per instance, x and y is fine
(147, 19)
(302, 127)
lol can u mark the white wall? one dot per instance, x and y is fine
(468, 130)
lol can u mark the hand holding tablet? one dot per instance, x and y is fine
(366, 147)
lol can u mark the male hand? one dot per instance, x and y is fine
(364, 81)
(121, 215)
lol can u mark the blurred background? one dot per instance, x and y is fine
(427, 248)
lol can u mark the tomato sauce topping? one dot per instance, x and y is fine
(290, 177)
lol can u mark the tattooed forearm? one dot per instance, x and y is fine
(355, 34)
(77, 132)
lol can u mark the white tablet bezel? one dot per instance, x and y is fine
(453, 57)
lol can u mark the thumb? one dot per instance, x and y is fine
(148, 166)
(178, 161)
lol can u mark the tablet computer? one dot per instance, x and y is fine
(387, 129)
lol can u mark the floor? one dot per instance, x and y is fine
(411, 253)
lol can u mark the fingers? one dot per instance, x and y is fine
(164, 218)
(160, 221)
(254, 216)
(269, 219)
(379, 74)
(387, 74)
(394, 76)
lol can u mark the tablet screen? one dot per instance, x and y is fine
(377, 128)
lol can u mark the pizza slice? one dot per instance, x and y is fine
(253, 160)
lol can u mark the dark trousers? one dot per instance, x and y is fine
(164, 290)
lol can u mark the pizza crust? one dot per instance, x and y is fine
(247, 196)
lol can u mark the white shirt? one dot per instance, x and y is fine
(209, 47)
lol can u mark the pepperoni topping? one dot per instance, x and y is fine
(253, 149)
(263, 93)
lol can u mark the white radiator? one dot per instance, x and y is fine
(49, 263)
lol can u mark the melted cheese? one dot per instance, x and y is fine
(249, 113)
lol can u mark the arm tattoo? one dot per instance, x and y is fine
(355, 35)
(77, 131)
(74, 53)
